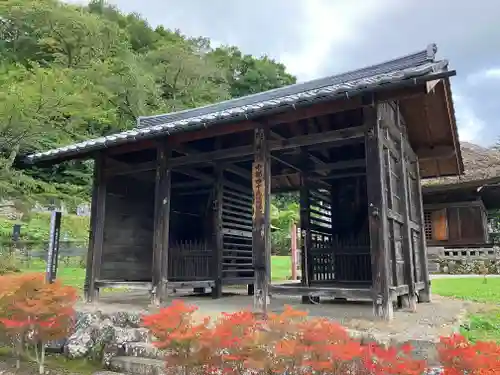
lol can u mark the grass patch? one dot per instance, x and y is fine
(35, 226)
(75, 276)
(72, 276)
(481, 326)
(484, 326)
(468, 288)
(281, 267)
(54, 363)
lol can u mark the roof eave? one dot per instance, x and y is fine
(153, 132)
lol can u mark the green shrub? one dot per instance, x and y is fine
(9, 263)
(35, 226)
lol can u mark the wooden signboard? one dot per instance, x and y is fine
(259, 203)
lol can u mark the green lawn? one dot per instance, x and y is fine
(75, 276)
(468, 288)
(481, 326)
(71, 275)
(281, 268)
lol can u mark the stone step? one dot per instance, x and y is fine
(123, 335)
(138, 365)
(143, 349)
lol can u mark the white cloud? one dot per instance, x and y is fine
(327, 26)
(482, 75)
(469, 124)
(493, 73)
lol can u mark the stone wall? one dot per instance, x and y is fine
(464, 261)
(8, 210)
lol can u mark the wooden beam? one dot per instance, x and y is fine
(116, 168)
(342, 175)
(377, 205)
(327, 167)
(97, 228)
(318, 138)
(280, 137)
(339, 165)
(314, 123)
(132, 147)
(186, 150)
(209, 157)
(196, 174)
(191, 184)
(284, 162)
(212, 131)
(345, 142)
(261, 186)
(277, 145)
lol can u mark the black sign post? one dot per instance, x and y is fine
(16, 232)
(53, 252)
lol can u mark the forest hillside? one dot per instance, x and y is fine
(69, 73)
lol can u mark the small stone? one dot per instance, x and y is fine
(79, 344)
(119, 319)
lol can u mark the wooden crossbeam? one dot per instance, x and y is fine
(242, 172)
(276, 145)
(116, 168)
(311, 156)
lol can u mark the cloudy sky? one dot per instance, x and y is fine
(315, 38)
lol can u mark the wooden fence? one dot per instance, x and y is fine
(29, 251)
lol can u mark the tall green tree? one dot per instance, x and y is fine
(246, 74)
(68, 73)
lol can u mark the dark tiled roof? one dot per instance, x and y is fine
(399, 64)
(420, 64)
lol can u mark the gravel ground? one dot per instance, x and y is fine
(441, 317)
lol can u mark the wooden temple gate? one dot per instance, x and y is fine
(361, 221)
(176, 207)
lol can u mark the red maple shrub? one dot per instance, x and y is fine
(291, 343)
(34, 312)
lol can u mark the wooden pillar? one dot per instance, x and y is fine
(161, 224)
(425, 294)
(305, 230)
(261, 186)
(218, 235)
(409, 301)
(377, 211)
(96, 235)
(305, 226)
(293, 248)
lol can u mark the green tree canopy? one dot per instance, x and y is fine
(68, 73)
